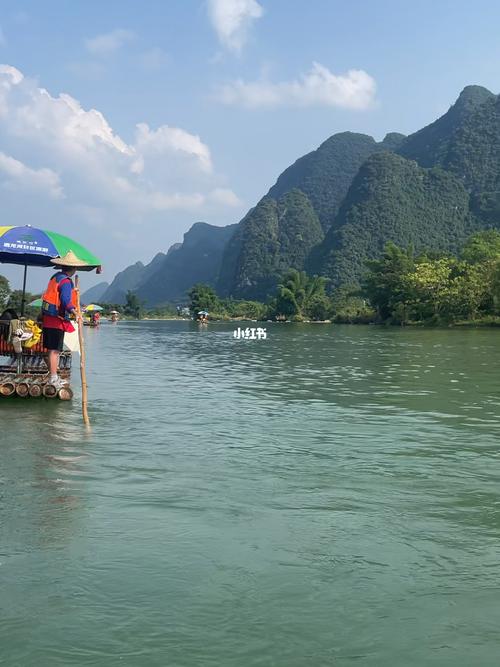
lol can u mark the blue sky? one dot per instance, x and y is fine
(226, 94)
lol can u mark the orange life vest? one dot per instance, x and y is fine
(51, 300)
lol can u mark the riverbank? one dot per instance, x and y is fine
(484, 322)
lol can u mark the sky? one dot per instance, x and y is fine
(122, 122)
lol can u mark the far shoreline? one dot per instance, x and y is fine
(472, 324)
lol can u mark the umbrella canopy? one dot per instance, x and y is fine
(31, 246)
(92, 307)
(202, 312)
(36, 303)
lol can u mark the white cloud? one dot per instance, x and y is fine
(70, 161)
(101, 45)
(9, 77)
(232, 20)
(319, 87)
(21, 177)
(172, 140)
(12, 76)
(225, 196)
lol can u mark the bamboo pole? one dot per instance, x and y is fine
(7, 386)
(83, 374)
(65, 393)
(23, 387)
(36, 387)
(49, 391)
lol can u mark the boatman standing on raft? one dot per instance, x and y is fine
(58, 304)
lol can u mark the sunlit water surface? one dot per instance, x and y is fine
(328, 496)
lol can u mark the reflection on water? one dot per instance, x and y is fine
(326, 496)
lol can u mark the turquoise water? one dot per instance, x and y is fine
(328, 496)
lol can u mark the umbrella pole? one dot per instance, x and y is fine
(23, 300)
(83, 374)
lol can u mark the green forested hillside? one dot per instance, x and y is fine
(325, 174)
(454, 189)
(430, 146)
(262, 249)
(392, 141)
(393, 199)
(274, 237)
(466, 142)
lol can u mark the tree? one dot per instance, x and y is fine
(482, 247)
(202, 297)
(253, 310)
(297, 292)
(467, 292)
(435, 288)
(15, 302)
(495, 290)
(427, 290)
(133, 307)
(319, 308)
(384, 284)
(482, 251)
(4, 291)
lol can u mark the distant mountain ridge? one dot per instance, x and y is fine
(94, 294)
(168, 277)
(130, 279)
(196, 260)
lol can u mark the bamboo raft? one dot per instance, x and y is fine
(25, 375)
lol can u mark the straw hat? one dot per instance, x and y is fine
(69, 259)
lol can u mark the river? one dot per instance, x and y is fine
(327, 496)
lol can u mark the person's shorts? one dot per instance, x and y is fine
(53, 339)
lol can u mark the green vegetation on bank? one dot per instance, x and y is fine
(437, 289)
(399, 288)
(298, 298)
(204, 297)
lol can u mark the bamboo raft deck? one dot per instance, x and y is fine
(25, 375)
